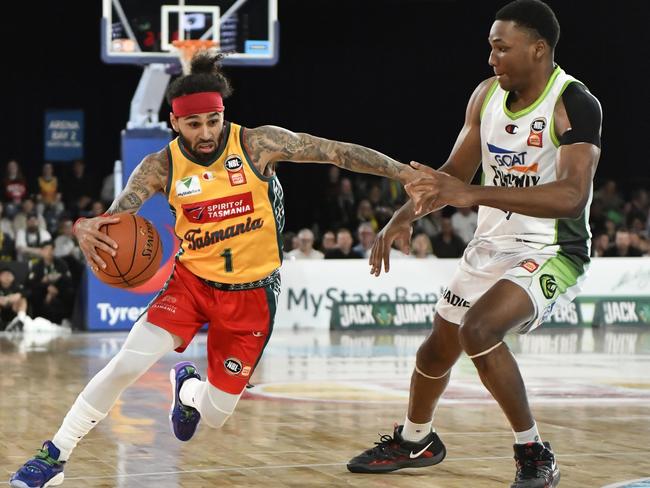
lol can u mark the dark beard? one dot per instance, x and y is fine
(201, 157)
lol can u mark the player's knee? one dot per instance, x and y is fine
(432, 358)
(126, 367)
(478, 332)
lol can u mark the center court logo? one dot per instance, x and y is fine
(549, 285)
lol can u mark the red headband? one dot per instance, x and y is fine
(197, 103)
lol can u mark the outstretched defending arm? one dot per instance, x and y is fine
(149, 177)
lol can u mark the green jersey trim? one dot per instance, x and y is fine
(488, 96)
(276, 197)
(540, 99)
(170, 172)
(249, 161)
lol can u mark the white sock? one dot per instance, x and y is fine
(21, 315)
(80, 420)
(416, 432)
(530, 435)
(191, 392)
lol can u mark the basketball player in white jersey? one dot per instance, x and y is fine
(535, 132)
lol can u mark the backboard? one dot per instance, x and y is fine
(142, 31)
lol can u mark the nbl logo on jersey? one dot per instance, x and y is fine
(233, 163)
(235, 167)
(537, 127)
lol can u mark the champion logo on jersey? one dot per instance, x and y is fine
(208, 175)
(190, 185)
(512, 129)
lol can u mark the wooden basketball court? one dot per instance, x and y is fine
(320, 398)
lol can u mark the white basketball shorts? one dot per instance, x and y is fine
(548, 275)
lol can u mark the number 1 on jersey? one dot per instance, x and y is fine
(227, 255)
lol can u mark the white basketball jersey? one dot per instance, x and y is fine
(519, 150)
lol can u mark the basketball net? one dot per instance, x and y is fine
(186, 50)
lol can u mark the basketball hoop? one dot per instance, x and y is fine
(189, 47)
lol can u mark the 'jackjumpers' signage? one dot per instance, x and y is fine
(623, 311)
(382, 315)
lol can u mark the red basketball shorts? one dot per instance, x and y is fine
(239, 324)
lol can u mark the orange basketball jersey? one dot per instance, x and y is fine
(229, 217)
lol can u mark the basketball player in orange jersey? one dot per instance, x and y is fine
(535, 132)
(220, 181)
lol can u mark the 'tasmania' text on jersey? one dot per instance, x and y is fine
(520, 150)
(229, 217)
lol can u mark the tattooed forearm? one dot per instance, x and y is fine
(129, 202)
(149, 177)
(268, 144)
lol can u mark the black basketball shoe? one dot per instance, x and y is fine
(392, 453)
(536, 466)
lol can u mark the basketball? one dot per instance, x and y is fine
(139, 251)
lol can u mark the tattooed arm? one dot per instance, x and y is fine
(269, 144)
(149, 177)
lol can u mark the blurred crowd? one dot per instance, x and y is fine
(353, 208)
(620, 226)
(41, 264)
(40, 260)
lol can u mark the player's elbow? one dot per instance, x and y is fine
(574, 207)
(574, 200)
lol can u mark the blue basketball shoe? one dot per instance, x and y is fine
(183, 419)
(41, 471)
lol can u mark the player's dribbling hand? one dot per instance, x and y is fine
(393, 232)
(90, 239)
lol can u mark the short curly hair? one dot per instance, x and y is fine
(535, 16)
